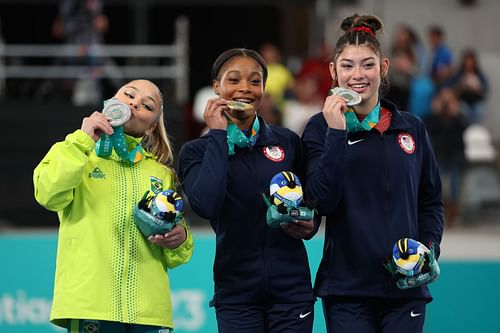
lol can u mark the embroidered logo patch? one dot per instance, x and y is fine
(406, 143)
(97, 173)
(156, 184)
(274, 153)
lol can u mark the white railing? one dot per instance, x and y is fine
(177, 53)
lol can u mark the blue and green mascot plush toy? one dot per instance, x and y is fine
(286, 202)
(158, 214)
(412, 264)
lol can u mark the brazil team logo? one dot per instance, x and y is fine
(156, 184)
(91, 326)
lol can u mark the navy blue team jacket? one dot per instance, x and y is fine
(253, 262)
(374, 189)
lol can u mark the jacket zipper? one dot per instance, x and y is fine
(126, 249)
(387, 205)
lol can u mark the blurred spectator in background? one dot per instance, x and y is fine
(404, 65)
(200, 100)
(83, 23)
(280, 78)
(442, 56)
(422, 87)
(307, 100)
(446, 125)
(317, 66)
(471, 85)
(268, 111)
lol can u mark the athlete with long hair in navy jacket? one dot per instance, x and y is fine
(372, 171)
(261, 274)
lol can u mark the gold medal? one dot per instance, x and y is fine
(240, 106)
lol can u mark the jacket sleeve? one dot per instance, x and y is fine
(300, 170)
(60, 171)
(430, 205)
(181, 254)
(203, 173)
(325, 154)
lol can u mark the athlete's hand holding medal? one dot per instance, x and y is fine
(216, 115)
(351, 97)
(336, 104)
(114, 114)
(95, 125)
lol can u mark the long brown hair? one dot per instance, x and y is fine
(362, 30)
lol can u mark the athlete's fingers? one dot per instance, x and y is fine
(299, 228)
(289, 229)
(333, 111)
(172, 239)
(214, 113)
(304, 226)
(96, 124)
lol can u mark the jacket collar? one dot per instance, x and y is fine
(266, 135)
(398, 121)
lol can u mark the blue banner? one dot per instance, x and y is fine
(466, 295)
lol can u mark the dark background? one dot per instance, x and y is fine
(33, 122)
(213, 28)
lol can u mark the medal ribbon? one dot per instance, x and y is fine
(235, 136)
(370, 121)
(118, 142)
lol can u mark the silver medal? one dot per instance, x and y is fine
(117, 113)
(351, 97)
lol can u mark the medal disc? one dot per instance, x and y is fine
(351, 97)
(116, 112)
(235, 105)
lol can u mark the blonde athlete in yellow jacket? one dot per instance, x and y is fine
(109, 277)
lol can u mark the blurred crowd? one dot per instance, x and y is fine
(447, 91)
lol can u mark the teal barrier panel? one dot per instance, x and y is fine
(26, 282)
(466, 298)
(466, 295)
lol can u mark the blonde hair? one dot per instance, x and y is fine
(157, 142)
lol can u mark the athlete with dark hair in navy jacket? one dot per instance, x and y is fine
(262, 276)
(372, 171)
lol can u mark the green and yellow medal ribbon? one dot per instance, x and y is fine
(370, 121)
(235, 136)
(127, 148)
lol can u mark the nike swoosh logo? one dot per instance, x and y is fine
(350, 143)
(303, 315)
(413, 315)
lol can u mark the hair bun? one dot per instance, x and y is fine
(368, 21)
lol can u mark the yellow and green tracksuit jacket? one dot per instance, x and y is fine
(106, 269)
